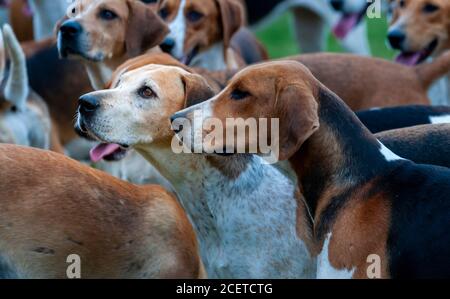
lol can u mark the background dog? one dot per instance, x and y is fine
(421, 30)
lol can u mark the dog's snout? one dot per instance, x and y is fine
(70, 28)
(337, 4)
(88, 103)
(168, 45)
(396, 39)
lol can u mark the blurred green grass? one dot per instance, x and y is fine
(279, 38)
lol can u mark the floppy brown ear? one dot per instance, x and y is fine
(299, 119)
(145, 29)
(196, 90)
(232, 14)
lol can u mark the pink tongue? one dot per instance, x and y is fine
(102, 150)
(345, 25)
(408, 59)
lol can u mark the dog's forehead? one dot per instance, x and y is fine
(277, 70)
(154, 72)
(86, 6)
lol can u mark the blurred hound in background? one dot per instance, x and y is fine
(314, 20)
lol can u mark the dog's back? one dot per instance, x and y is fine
(52, 207)
(426, 144)
(418, 241)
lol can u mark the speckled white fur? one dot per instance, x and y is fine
(246, 227)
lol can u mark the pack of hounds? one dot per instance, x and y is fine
(90, 92)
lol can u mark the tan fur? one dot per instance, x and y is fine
(216, 79)
(21, 23)
(136, 30)
(222, 19)
(364, 83)
(422, 28)
(361, 228)
(119, 230)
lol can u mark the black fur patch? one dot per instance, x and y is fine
(419, 238)
(258, 9)
(386, 119)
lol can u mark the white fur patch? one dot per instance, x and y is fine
(178, 31)
(442, 119)
(212, 59)
(324, 268)
(388, 154)
(243, 232)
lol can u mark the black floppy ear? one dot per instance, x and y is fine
(145, 28)
(232, 15)
(196, 90)
(298, 113)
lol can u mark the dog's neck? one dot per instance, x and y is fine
(233, 200)
(336, 159)
(216, 58)
(100, 73)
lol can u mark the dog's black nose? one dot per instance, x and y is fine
(70, 28)
(88, 104)
(168, 45)
(337, 4)
(396, 39)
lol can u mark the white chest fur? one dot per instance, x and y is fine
(246, 227)
(439, 92)
(212, 59)
(324, 268)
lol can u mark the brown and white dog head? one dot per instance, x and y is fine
(200, 28)
(419, 29)
(285, 91)
(102, 30)
(137, 109)
(24, 117)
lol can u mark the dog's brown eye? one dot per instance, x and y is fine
(108, 15)
(238, 95)
(430, 8)
(194, 16)
(146, 92)
(164, 13)
(402, 3)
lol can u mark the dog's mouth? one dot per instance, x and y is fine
(68, 50)
(103, 151)
(347, 23)
(414, 58)
(187, 59)
(108, 152)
